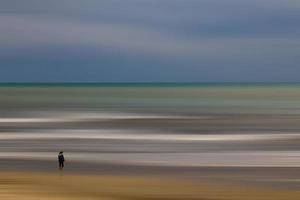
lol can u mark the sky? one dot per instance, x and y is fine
(149, 41)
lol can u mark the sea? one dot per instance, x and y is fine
(151, 124)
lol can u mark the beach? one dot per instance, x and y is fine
(59, 186)
(149, 100)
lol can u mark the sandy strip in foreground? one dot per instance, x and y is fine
(58, 186)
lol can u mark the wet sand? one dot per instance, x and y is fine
(60, 186)
(270, 177)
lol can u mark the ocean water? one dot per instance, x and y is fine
(199, 125)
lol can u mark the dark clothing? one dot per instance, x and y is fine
(61, 160)
(61, 165)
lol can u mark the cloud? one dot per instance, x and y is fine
(27, 31)
(207, 36)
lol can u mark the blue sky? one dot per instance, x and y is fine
(149, 40)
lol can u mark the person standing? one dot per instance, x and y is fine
(61, 160)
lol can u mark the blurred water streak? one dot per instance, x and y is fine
(153, 124)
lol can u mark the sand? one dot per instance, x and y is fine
(59, 186)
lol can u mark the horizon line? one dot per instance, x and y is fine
(149, 82)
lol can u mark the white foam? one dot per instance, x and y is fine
(136, 135)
